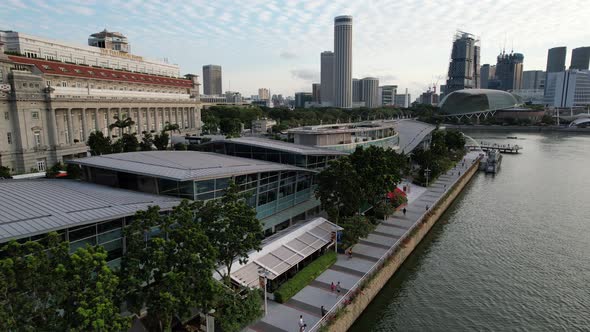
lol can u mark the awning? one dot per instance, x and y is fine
(285, 252)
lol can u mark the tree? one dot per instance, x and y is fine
(230, 127)
(4, 172)
(168, 265)
(454, 140)
(161, 141)
(147, 141)
(236, 310)
(122, 124)
(129, 142)
(231, 226)
(43, 287)
(171, 127)
(355, 227)
(99, 144)
(339, 189)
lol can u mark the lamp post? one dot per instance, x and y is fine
(427, 174)
(262, 279)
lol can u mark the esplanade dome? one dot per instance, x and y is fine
(468, 101)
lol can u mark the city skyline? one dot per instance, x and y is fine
(278, 42)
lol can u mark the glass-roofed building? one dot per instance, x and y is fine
(274, 151)
(282, 194)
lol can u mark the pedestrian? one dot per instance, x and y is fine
(303, 327)
(459, 174)
(350, 253)
(404, 211)
(338, 289)
(426, 207)
(323, 310)
(332, 287)
(301, 323)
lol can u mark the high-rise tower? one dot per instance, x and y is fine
(580, 58)
(343, 61)
(327, 77)
(371, 92)
(556, 59)
(212, 80)
(509, 71)
(464, 66)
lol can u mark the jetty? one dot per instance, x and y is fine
(504, 148)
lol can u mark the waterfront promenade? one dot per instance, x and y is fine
(349, 272)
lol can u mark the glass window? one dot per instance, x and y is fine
(35, 115)
(109, 225)
(9, 137)
(81, 232)
(37, 135)
(41, 165)
(6, 116)
(168, 187)
(186, 189)
(221, 183)
(205, 186)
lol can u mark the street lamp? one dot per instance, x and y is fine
(262, 280)
(427, 174)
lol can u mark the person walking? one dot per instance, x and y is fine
(350, 253)
(301, 323)
(323, 310)
(332, 287)
(338, 289)
(404, 211)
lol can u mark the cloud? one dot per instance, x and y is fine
(288, 55)
(308, 75)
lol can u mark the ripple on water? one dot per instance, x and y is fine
(511, 254)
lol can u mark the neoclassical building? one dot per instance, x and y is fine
(49, 108)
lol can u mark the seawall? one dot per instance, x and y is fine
(344, 319)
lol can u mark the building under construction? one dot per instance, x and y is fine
(464, 64)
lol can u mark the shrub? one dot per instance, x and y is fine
(4, 172)
(304, 277)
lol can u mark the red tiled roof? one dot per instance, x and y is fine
(66, 69)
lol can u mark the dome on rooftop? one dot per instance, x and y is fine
(468, 101)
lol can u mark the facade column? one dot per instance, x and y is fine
(182, 117)
(139, 120)
(108, 124)
(96, 121)
(84, 125)
(148, 111)
(70, 128)
(53, 139)
(163, 117)
(120, 118)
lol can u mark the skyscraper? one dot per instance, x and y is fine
(316, 94)
(371, 91)
(464, 66)
(487, 73)
(580, 58)
(533, 79)
(327, 77)
(343, 61)
(556, 59)
(357, 90)
(388, 93)
(212, 80)
(509, 71)
(263, 94)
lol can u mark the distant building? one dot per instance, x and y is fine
(110, 40)
(357, 90)
(343, 61)
(327, 77)
(429, 98)
(301, 98)
(570, 88)
(580, 58)
(212, 80)
(509, 71)
(233, 97)
(263, 94)
(371, 92)
(464, 66)
(262, 126)
(487, 72)
(316, 95)
(388, 93)
(556, 59)
(402, 100)
(533, 79)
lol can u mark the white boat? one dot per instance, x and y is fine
(493, 161)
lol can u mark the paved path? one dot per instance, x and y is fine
(285, 317)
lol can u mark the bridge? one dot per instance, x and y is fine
(486, 146)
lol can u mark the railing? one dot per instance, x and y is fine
(119, 94)
(386, 256)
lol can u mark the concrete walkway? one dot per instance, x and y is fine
(285, 317)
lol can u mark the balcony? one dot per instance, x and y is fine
(67, 92)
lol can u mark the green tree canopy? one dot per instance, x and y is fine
(99, 144)
(230, 127)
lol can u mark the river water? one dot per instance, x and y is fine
(511, 253)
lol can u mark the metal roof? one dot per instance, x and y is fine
(32, 207)
(283, 146)
(182, 165)
(411, 133)
(278, 256)
(340, 128)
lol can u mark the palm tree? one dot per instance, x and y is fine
(171, 127)
(121, 124)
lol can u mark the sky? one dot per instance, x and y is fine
(277, 44)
